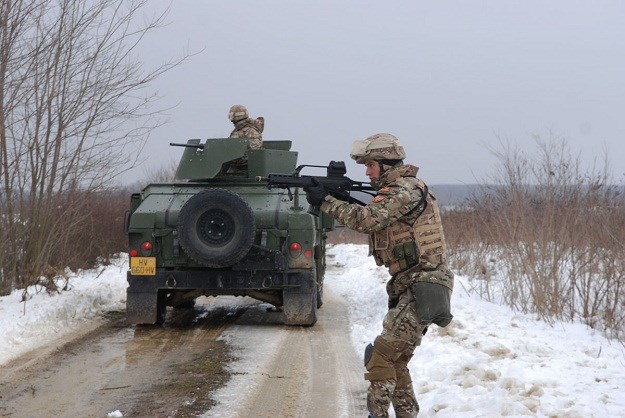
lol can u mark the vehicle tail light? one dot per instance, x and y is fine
(308, 253)
(133, 253)
(146, 248)
(295, 249)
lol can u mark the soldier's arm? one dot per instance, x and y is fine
(254, 138)
(391, 204)
(255, 143)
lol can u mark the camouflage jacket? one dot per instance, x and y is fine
(396, 197)
(251, 129)
(399, 194)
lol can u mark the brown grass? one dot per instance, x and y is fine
(548, 239)
(81, 230)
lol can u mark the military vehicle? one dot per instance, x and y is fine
(216, 230)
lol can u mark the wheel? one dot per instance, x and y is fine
(216, 228)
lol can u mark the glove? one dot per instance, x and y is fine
(315, 194)
(393, 301)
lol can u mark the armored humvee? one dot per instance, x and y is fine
(217, 231)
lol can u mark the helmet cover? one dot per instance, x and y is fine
(377, 147)
(237, 113)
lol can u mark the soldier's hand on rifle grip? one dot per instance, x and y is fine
(314, 210)
(315, 194)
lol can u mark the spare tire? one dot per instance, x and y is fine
(216, 228)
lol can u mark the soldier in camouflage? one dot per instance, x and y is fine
(245, 127)
(406, 235)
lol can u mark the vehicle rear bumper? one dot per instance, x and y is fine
(142, 294)
(218, 280)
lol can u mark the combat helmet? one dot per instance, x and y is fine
(377, 147)
(237, 113)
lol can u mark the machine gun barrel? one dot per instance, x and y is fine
(196, 146)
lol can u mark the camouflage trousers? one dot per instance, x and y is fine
(419, 305)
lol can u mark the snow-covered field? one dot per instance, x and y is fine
(489, 362)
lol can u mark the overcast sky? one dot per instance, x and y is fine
(448, 78)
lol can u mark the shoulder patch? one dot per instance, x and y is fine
(379, 198)
(385, 189)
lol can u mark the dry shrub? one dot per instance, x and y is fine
(546, 237)
(78, 229)
(101, 234)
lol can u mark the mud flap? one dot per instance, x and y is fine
(142, 308)
(300, 306)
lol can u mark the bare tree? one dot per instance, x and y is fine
(74, 110)
(166, 172)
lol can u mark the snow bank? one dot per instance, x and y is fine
(45, 317)
(490, 361)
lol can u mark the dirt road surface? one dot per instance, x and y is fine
(178, 370)
(307, 372)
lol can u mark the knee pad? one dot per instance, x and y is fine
(368, 353)
(379, 361)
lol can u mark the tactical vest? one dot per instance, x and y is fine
(415, 238)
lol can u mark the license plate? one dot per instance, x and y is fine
(143, 266)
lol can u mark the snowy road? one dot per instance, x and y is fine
(142, 371)
(293, 371)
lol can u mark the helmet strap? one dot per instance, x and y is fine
(391, 163)
(381, 165)
(387, 164)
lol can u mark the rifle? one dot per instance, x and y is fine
(335, 183)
